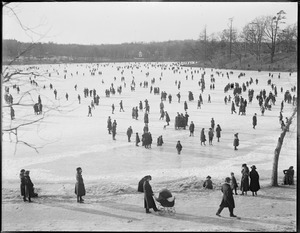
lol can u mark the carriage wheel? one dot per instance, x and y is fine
(171, 211)
(162, 211)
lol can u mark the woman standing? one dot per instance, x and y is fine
(245, 179)
(236, 141)
(202, 137)
(28, 186)
(254, 181)
(79, 186)
(148, 195)
(218, 130)
(22, 185)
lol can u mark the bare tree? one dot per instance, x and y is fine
(274, 179)
(272, 31)
(253, 35)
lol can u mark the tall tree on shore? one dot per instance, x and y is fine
(272, 31)
(274, 179)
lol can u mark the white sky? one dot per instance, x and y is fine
(119, 22)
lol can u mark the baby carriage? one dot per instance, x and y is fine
(166, 202)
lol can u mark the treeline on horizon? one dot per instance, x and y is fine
(265, 36)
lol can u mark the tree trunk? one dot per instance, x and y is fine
(274, 179)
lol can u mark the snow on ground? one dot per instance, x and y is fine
(70, 139)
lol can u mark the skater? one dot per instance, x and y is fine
(67, 96)
(209, 100)
(208, 183)
(160, 140)
(227, 200)
(236, 141)
(28, 186)
(79, 186)
(232, 107)
(192, 128)
(254, 181)
(90, 111)
(112, 108)
(22, 185)
(178, 147)
(148, 195)
(79, 98)
(185, 106)
(114, 130)
(212, 123)
(167, 119)
(218, 130)
(109, 125)
(121, 106)
(12, 113)
(137, 139)
(254, 120)
(129, 133)
(202, 137)
(210, 136)
(233, 183)
(245, 179)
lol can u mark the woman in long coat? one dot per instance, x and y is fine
(148, 196)
(167, 118)
(202, 137)
(245, 179)
(79, 186)
(218, 130)
(146, 118)
(227, 200)
(254, 180)
(28, 186)
(236, 141)
(22, 185)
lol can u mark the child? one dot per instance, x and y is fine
(208, 183)
(233, 184)
(178, 147)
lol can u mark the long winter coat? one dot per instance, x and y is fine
(254, 181)
(192, 127)
(218, 130)
(28, 187)
(167, 118)
(202, 136)
(245, 179)
(79, 186)
(227, 200)
(236, 141)
(146, 118)
(254, 121)
(22, 185)
(148, 196)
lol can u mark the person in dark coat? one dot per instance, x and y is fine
(227, 200)
(146, 118)
(22, 185)
(218, 130)
(254, 120)
(208, 183)
(202, 137)
(192, 129)
(232, 107)
(212, 123)
(29, 193)
(210, 136)
(233, 183)
(185, 106)
(245, 179)
(178, 147)
(288, 176)
(160, 140)
(12, 113)
(167, 118)
(129, 133)
(254, 181)
(236, 141)
(79, 186)
(109, 125)
(114, 130)
(137, 139)
(148, 196)
(90, 111)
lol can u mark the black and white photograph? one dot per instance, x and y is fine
(149, 116)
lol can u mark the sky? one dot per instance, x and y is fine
(126, 22)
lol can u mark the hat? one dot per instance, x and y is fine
(253, 167)
(27, 172)
(243, 165)
(22, 170)
(79, 168)
(236, 134)
(227, 179)
(291, 167)
(208, 177)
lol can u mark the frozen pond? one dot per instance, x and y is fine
(70, 139)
